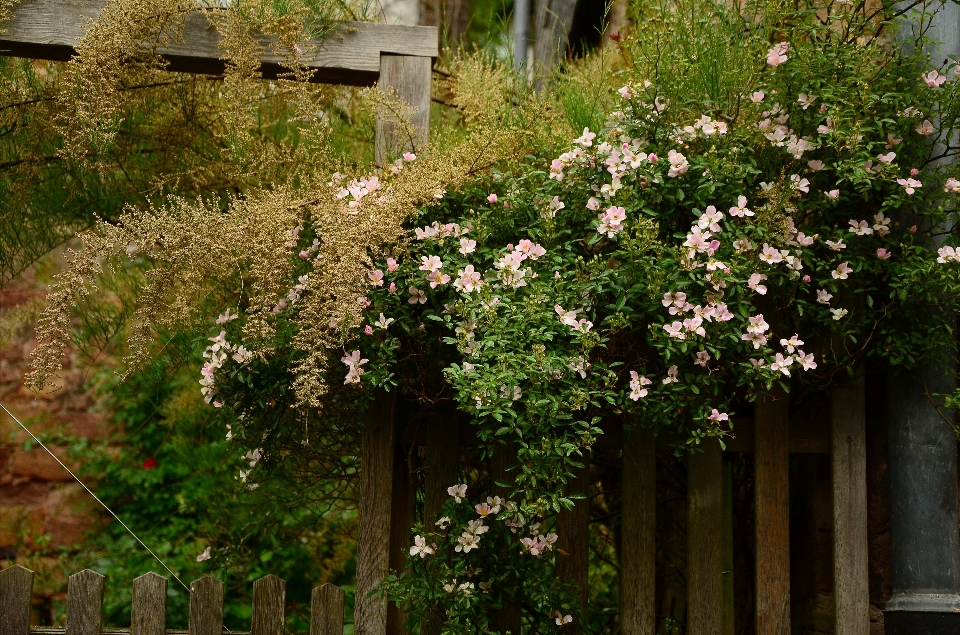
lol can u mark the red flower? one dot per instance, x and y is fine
(150, 463)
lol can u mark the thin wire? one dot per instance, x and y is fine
(89, 491)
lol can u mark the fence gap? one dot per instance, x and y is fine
(705, 540)
(326, 610)
(376, 494)
(638, 550)
(206, 607)
(849, 469)
(84, 603)
(772, 498)
(148, 612)
(16, 589)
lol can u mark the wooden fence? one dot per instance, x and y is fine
(148, 615)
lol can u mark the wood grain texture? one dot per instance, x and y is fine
(206, 607)
(638, 549)
(705, 540)
(506, 619)
(440, 471)
(552, 22)
(408, 79)
(269, 606)
(16, 590)
(148, 612)
(805, 437)
(573, 539)
(442, 468)
(50, 29)
(772, 501)
(326, 610)
(849, 469)
(376, 494)
(401, 521)
(84, 603)
(729, 597)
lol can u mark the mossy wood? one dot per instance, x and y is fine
(50, 29)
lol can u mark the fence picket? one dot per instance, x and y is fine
(326, 610)
(772, 523)
(705, 540)
(269, 602)
(148, 613)
(84, 603)
(206, 607)
(16, 587)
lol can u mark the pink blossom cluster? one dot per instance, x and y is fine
(354, 367)
(356, 190)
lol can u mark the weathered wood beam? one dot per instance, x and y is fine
(51, 29)
(705, 540)
(638, 549)
(376, 494)
(573, 541)
(849, 466)
(772, 501)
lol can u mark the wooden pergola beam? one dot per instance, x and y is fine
(51, 29)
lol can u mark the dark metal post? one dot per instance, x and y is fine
(923, 509)
(922, 462)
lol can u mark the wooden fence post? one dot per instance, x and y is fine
(16, 590)
(326, 610)
(507, 618)
(408, 77)
(849, 469)
(638, 551)
(401, 520)
(269, 606)
(573, 538)
(148, 612)
(206, 607)
(84, 603)
(705, 540)
(772, 496)
(443, 463)
(376, 494)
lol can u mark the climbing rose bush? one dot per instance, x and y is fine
(683, 252)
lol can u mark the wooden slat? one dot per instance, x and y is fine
(401, 521)
(407, 78)
(84, 603)
(326, 610)
(148, 612)
(16, 588)
(442, 467)
(705, 540)
(772, 498)
(50, 29)
(811, 437)
(573, 539)
(206, 607)
(729, 598)
(849, 468)
(373, 536)
(269, 603)
(638, 551)
(506, 619)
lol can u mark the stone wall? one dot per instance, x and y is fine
(42, 509)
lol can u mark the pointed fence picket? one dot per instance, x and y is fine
(148, 614)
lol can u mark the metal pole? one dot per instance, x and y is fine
(922, 461)
(521, 30)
